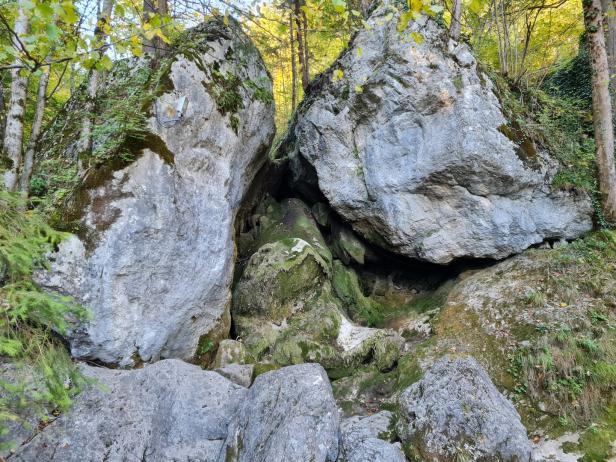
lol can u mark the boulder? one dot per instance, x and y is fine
(288, 414)
(291, 300)
(412, 149)
(153, 256)
(365, 439)
(169, 410)
(456, 413)
(231, 352)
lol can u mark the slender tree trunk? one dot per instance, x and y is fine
(149, 10)
(456, 26)
(37, 124)
(609, 10)
(14, 132)
(300, 43)
(154, 47)
(306, 48)
(163, 10)
(2, 112)
(293, 65)
(602, 106)
(85, 137)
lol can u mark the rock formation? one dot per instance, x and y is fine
(154, 256)
(455, 412)
(412, 149)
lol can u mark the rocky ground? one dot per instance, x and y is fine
(398, 280)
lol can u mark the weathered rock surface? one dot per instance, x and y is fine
(154, 259)
(16, 430)
(238, 373)
(288, 414)
(455, 411)
(285, 309)
(409, 148)
(169, 410)
(363, 439)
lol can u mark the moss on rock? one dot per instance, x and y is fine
(279, 279)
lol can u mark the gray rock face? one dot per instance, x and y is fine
(288, 414)
(360, 439)
(455, 411)
(157, 265)
(170, 410)
(409, 148)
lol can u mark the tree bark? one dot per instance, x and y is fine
(293, 65)
(2, 113)
(456, 26)
(154, 47)
(306, 48)
(14, 131)
(300, 43)
(602, 106)
(37, 124)
(84, 144)
(609, 11)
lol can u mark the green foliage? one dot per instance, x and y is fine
(224, 88)
(573, 78)
(29, 317)
(560, 126)
(572, 368)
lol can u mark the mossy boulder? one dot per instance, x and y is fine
(279, 278)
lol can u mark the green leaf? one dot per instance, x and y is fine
(339, 5)
(52, 31)
(105, 63)
(119, 11)
(44, 10)
(403, 21)
(417, 37)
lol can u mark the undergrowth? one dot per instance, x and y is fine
(572, 368)
(30, 318)
(562, 126)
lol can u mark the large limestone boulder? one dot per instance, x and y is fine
(411, 148)
(455, 413)
(153, 255)
(169, 410)
(289, 414)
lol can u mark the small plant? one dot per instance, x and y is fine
(29, 317)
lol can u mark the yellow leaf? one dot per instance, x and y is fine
(417, 37)
(337, 75)
(359, 89)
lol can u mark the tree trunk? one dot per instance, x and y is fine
(306, 69)
(37, 124)
(84, 144)
(456, 26)
(293, 65)
(2, 112)
(602, 106)
(609, 10)
(300, 43)
(154, 47)
(14, 132)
